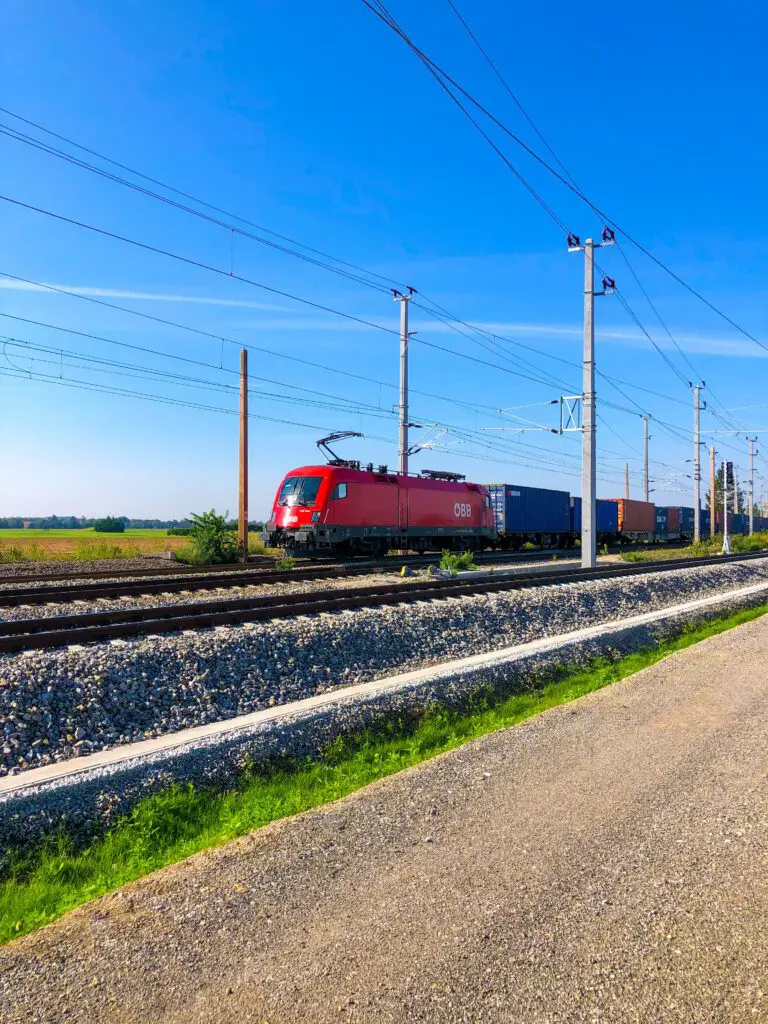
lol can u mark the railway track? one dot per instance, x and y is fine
(83, 628)
(107, 585)
(189, 572)
(65, 591)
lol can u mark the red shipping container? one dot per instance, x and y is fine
(636, 516)
(673, 523)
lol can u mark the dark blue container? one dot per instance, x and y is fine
(706, 519)
(529, 510)
(607, 516)
(739, 523)
(686, 521)
(662, 522)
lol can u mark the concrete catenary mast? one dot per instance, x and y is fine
(589, 398)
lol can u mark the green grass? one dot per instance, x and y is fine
(709, 546)
(183, 820)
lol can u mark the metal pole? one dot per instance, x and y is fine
(242, 519)
(712, 497)
(726, 542)
(646, 489)
(751, 485)
(735, 492)
(588, 466)
(403, 409)
(696, 467)
(626, 480)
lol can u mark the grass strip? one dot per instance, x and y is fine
(171, 825)
(740, 544)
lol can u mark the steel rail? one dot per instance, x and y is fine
(76, 629)
(190, 571)
(64, 591)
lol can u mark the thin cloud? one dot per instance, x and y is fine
(117, 293)
(700, 344)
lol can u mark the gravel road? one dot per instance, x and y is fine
(604, 861)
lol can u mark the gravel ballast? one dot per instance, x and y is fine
(61, 569)
(58, 704)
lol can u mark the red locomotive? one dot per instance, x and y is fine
(342, 508)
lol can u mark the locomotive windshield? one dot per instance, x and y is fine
(299, 490)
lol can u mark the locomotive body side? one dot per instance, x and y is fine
(341, 509)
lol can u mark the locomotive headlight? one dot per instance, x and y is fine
(315, 517)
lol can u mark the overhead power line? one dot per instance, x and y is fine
(570, 177)
(443, 77)
(450, 320)
(195, 263)
(508, 89)
(21, 137)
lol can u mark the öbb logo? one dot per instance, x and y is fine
(462, 510)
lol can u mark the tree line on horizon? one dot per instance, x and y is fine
(85, 522)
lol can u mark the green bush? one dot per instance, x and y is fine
(285, 563)
(179, 531)
(110, 524)
(456, 561)
(213, 542)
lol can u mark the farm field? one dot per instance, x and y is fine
(86, 544)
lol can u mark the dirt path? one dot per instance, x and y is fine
(605, 861)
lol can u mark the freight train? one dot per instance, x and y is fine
(344, 509)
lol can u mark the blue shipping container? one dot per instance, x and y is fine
(705, 521)
(529, 510)
(607, 516)
(686, 520)
(662, 521)
(739, 523)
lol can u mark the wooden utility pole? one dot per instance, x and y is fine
(242, 518)
(626, 480)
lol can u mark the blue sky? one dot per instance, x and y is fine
(316, 122)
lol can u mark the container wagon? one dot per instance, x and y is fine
(607, 520)
(667, 523)
(637, 519)
(533, 514)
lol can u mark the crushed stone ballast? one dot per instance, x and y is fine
(38, 632)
